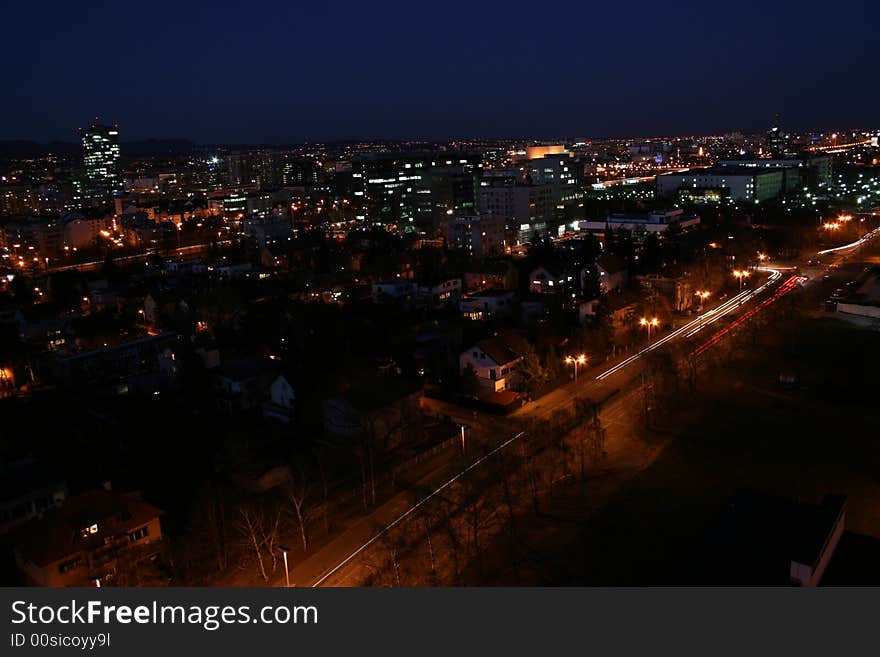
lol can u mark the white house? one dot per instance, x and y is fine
(612, 272)
(545, 280)
(395, 288)
(495, 361)
(241, 384)
(280, 404)
(587, 309)
(487, 303)
(443, 291)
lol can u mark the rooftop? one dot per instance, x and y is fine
(59, 533)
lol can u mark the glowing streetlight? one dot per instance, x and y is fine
(284, 550)
(762, 256)
(648, 323)
(702, 295)
(576, 360)
(741, 274)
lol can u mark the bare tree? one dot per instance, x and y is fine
(298, 493)
(259, 532)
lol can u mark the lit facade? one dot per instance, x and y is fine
(101, 161)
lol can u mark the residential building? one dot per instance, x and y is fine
(384, 411)
(29, 241)
(280, 404)
(147, 364)
(495, 361)
(613, 273)
(394, 288)
(440, 292)
(244, 384)
(28, 489)
(494, 273)
(551, 279)
(102, 535)
(484, 304)
(481, 235)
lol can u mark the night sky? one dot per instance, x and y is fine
(280, 71)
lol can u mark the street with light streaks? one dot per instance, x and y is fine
(617, 390)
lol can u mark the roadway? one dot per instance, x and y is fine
(614, 386)
(345, 561)
(191, 250)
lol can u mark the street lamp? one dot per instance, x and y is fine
(741, 274)
(648, 323)
(576, 360)
(762, 256)
(702, 295)
(462, 427)
(284, 550)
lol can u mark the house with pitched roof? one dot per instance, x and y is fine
(612, 272)
(87, 537)
(495, 361)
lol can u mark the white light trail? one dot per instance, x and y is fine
(852, 245)
(697, 324)
(413, 508)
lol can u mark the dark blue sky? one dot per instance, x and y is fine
(285, 71)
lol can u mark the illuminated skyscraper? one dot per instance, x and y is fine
(101, 160)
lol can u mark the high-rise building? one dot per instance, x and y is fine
(527, 208)
(480, 235)
(777, 140)
(299, 171)
(562, 173)
(101, 161)
(414, 190)
(445, 191)
(257, 168)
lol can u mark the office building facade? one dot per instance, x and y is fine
(101, 166)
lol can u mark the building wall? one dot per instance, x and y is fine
(492, 377)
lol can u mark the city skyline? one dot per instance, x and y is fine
(289, 75)
(73, 143)
(390, 295)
